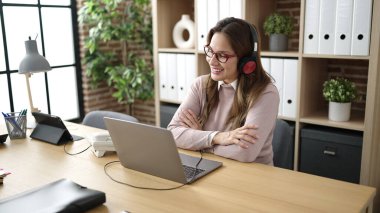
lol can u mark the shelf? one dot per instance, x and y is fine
(336, 56)
(356, 121)
(170, 101)
(286, 118)
(176, 50)
(287, 54)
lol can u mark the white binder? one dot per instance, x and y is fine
(311, 33)
(277, 72)
(162, 70)
(343, 25)
(224, 9)
(236, 8)
(191, 71)
(230, 8)
(181, 76)
(327, 26)
(361, 28)
(172, 76)
(289, 95)
(212, 13)
(265, 62)
(202, 27)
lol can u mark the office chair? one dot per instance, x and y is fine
(283, 145)
(95, 118)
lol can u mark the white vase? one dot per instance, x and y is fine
(339, 111)
(184, 24)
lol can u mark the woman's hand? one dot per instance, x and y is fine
(189, 119)
(239, 136)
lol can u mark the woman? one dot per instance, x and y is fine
(222, 109)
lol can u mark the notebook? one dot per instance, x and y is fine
(152, 150)
(51, 129)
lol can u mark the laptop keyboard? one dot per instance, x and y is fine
(189, 171)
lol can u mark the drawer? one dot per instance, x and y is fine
(331, 152)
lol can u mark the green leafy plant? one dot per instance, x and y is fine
(339, 90)
(278, 24)
(119, 22)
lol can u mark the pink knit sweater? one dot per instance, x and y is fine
(263, 114)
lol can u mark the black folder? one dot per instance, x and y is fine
(60, 196)
(51, 129)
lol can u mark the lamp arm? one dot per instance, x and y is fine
(32, 109)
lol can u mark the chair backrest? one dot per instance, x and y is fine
(283, 145)
(95, 118)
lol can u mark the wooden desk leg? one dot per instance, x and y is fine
(369, 208)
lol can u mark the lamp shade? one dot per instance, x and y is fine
(33, 61)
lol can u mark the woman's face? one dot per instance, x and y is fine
(227, 71)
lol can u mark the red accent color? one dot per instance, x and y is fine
(249, 67)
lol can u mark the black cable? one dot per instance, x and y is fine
(64, 148)
(149, 188)
(196, 166)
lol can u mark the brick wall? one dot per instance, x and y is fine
(354, 70)
(291, 8)
(101, 98)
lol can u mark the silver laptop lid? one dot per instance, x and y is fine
(147, 149)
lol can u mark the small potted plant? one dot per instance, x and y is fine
(340, 92)
(278, 27)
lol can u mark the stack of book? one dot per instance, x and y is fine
(3, 174)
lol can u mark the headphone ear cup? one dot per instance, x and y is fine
(247, 65)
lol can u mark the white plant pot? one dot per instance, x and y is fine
(339, 111)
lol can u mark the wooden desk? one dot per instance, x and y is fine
(236, 187)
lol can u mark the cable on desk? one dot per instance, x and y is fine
(64, 148)
(149, 188)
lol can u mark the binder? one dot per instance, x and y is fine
(230, 8)
(362, 13)
(289, 102)
(236, 8)
(265, 63)
(201, 9)
(224, 9)
(212, 14)
(277, 72)
(343, 24)
(327, 26)
(171, 75)
(162, 73)
(181, 76)
(191, 71)
(311, 33)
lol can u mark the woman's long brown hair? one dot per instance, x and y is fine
(249, 87)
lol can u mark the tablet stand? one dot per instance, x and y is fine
(50, 134)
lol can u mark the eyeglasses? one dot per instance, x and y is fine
(221, 57)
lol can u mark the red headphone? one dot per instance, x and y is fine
(248, 64)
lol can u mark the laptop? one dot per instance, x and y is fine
(51, 129)
(152, 150)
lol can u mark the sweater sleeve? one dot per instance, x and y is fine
(188, 138)
(263, 114)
